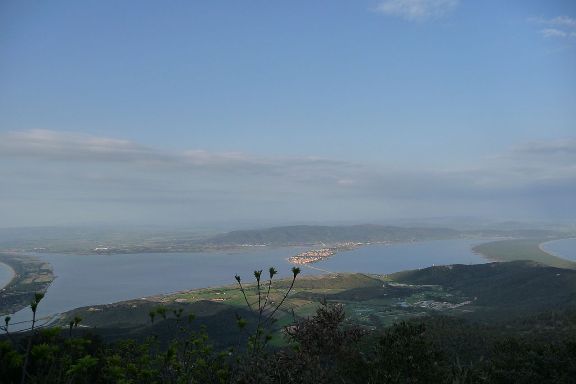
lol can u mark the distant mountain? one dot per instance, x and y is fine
(518, 233)
(82, 240)
(308, 235)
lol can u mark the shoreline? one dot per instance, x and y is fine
(530, 252)
(12, 277)
(540, 246)
(30, 275)
(486, 257)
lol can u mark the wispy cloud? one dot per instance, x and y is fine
(556, 147)
(560, 21)
(556, 27)
(99, 171)
(55, 146)
(523, 163)
(551, 32)
(417, 10)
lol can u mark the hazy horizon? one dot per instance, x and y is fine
(184, 113)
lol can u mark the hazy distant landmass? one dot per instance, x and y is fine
(313, 234)
(150, 240)
(309, 235)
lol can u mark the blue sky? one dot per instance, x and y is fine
(285, 111)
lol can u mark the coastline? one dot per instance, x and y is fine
(12, 277)
(30, 275)
(523, 249)
(541, 247)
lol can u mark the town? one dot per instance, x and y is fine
(316, 255)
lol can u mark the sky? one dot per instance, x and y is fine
(266, 111)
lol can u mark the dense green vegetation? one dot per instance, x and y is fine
(320, 349)
(522, 249)
(494, 323)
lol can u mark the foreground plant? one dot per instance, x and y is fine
(33, 306)
(264, 307)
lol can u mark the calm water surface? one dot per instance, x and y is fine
(383, 259)
(84, 280)
(565, 248)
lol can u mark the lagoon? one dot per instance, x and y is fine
(84, 280)
(384, 259)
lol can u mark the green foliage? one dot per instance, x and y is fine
(11, 360)
(519, 287)
(324, 348)
(522, 362)
(404, 355)
(321, 350)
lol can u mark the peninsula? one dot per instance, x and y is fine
(317, 255)
(31, 275)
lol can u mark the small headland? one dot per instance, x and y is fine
(320, 254)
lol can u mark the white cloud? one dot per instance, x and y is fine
(417, 10)
(557, 27)
(565, 147)
(55, 146)
(522, 164)
(101, 171)
(559, 21)
(564, 21)
(551, 32)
